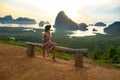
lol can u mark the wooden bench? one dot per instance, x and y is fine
(78, 52)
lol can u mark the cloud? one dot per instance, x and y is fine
(86, 10)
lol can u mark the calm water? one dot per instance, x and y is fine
(76, 33)
(89, 32)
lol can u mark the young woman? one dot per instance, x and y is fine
(47, 43)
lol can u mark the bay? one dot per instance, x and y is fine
(76, 33)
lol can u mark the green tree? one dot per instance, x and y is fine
(116, 57)
(96, 54)
(109, 53)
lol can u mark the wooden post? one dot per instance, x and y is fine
(79, 59)
(30, 51)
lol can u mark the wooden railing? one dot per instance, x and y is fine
(78, 52)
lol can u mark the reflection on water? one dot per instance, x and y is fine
(76, 33)
(21, 25)
(89, 32)
(29, 30)
(28, 26)
(79, 33)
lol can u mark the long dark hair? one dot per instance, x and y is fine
(47, 28)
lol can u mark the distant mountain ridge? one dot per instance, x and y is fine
(9, 20)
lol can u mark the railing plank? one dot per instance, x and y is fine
(59, 48)
(78, 52)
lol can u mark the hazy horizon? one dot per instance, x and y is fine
(88, 11)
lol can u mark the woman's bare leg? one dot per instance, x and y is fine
(54, 50)
(53, 45)
(48, 51)
(43, 49)
(54, 53)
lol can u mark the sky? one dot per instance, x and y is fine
(88, 11)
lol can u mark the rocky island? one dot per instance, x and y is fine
(64, 23)
(113, 28)
(100, 24)
(9, 20)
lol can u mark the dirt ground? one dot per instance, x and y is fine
(14, 65)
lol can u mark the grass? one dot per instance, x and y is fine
(13, 42)
(59, 54)
(66, 56)
(107, 65)
(62, 55)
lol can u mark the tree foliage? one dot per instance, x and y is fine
(111, 54)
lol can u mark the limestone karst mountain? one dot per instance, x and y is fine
(63, 22)
(113, 28)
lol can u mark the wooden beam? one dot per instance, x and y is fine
(59, 48)
(78, 52)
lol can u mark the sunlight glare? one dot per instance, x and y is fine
(74, 9)
(71, 14)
